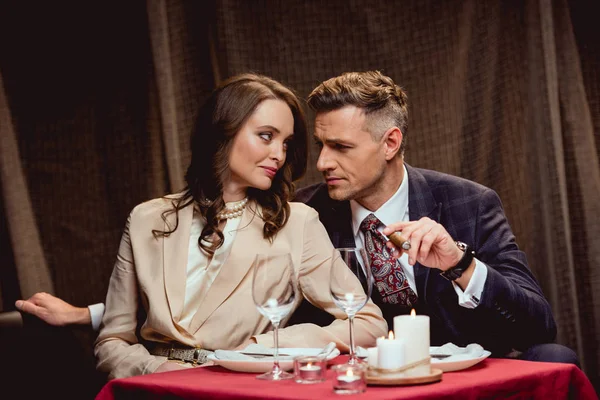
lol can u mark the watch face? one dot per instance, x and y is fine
(462, 246)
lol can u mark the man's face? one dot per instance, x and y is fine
(352, 162)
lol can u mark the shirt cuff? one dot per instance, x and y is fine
(96, 314)
(472, 295)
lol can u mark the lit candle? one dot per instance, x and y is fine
(349, 379)
(310, 372)
(309, 369)
(414, 329)
(390, 352)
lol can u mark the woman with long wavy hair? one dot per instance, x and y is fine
(182, 282)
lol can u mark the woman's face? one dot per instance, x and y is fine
(259, 149)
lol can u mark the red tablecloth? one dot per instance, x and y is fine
(492, 378)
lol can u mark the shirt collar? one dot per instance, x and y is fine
(393, 210)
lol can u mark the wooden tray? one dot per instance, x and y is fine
(375, 378)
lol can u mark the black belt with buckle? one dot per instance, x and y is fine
(194, 355)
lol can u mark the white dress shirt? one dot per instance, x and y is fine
(396, 209)
(96, 313)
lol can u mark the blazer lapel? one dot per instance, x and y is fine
(175, 257)
(247, 243)
(339, 224)
(421, 203)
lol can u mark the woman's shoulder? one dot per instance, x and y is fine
(156, 206)
(301, 211)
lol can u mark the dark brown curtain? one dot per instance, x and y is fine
(97, 103)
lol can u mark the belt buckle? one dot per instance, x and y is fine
(170, 355)
(196, 356)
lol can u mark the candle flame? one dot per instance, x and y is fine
(413, 313)
(391, 335)
(309, 365)
(349, 372)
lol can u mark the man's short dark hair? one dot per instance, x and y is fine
(384, 103)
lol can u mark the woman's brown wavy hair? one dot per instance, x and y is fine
(219, 120)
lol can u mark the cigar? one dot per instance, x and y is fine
(400, 241)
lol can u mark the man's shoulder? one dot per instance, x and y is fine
(440, 181)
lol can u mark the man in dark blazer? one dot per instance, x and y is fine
(463, 269)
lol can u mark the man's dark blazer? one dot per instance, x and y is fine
(512, 313)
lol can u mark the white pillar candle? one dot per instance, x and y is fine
(414, 329)
(390, 352)
(372, 357)
(372, 353)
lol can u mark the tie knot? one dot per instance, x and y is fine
(370, 223)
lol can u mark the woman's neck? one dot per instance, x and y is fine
(234, 191)
(235, 195)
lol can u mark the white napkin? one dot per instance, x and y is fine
(263, 351)
(329, 349)
(361, 352)
(457, 353)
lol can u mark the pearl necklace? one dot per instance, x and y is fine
(233, 210)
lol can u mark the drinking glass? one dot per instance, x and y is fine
(350, 285)
(274, 290)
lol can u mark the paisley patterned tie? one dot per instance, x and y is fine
(389, 276)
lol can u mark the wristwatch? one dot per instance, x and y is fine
(456, 272)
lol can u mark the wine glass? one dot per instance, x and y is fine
(350, 285)
(274, 290)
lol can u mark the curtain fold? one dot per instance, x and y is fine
(184, 73)
(555, 241)
(31, 267)
(160, 38)
(581, 194)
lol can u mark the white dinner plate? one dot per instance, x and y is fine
(457, 362)
(259, 365)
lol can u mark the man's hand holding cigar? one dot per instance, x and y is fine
(427, 242)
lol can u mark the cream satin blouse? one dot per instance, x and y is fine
(201, 272)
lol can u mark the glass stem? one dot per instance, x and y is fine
(276, 368)
(352, 351)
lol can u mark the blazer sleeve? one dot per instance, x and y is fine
(314, 284)
(512, 303)
(117, 349)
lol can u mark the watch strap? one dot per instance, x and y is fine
(456, 272)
